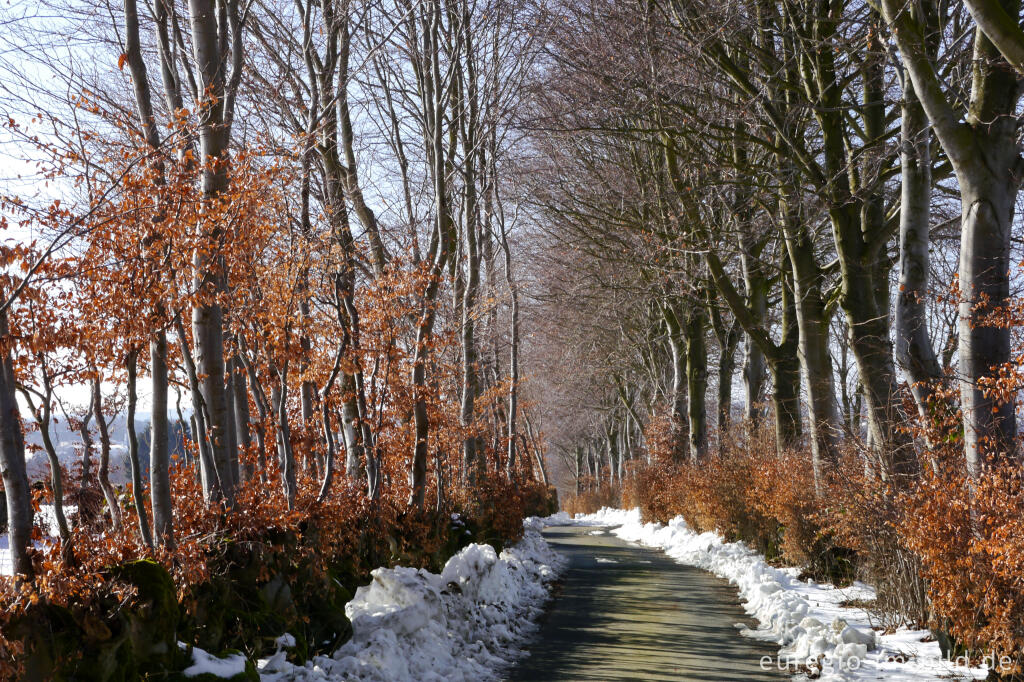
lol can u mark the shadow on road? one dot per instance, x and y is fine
(627, 613)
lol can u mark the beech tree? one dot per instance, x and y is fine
(979, 139)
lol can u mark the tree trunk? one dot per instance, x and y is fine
(754, 365)
(513, 389)
(727, 343)
(914, 350)
(985, 285)
(815, 358)
(210, 275)
(678, 407)
(240, 403)
(12, 464)
(785, 369)
(279, 398)
(103, 474)
(86, 511)
(133, 451)
(578, 460)
(983, 151)
(44, 418)
(349, 417)
(159, 456)
(432, 99)
(209, 475)
(697, 382)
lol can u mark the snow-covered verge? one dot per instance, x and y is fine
(410, 625)
(815, 631)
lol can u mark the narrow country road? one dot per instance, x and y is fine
(628, 613)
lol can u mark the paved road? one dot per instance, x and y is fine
(628, 613)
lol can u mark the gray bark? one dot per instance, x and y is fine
(12, 464)
(815, 358)
(728, 338)
(44, 417)
(984, 154)
(285, 454)
(209, 474)
(240, 402)
(513, 390)
(349, 416)
(914, 350)
(159, 457)
(433, 103)
(259, 398)
(697, 382)
(103, 474)
(755, 368)
(785, 369)
(679, 404)
(210, 39)
(85, 513)
(133, 451)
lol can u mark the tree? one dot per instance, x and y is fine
(979, 139)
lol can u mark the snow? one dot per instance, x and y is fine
(410, 625)
(806, 619)
(204, 663)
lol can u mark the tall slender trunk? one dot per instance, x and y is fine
(103, 475)
(470, 379)
(286, 457)
(513, 389)
(325, 420)
(44, 418)
(815, 358)
(349, 417)
(330, 455)
(159, 472)
(728, 338)
(159, 456)
(853, 193)
(87, 448)
(868, 330)
(678, 406)
(785, 369)
(86, 510)
(209, 474)
(697, 382)
(914, 350)
(208, 42)
(240, 403)
(133, 450)
(229, 417)
(12, 464)
(755, 368)
(433, 109)
(578, 461)
(259, 398)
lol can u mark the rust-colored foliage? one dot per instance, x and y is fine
(125, 272)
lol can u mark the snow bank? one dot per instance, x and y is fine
(204, 663)
(806, 619)
(410, 625)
